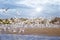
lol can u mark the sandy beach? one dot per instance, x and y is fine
(43, 31)
(34, 31)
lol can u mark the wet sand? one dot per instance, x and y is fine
(43, 31)
(35, 31)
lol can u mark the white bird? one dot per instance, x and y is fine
(3, 10)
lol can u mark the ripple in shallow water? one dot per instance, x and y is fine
(27, 37)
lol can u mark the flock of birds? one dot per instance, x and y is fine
(30, 23)
(19, 25)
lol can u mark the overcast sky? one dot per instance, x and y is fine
(30, 8)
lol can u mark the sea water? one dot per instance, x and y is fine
(27, 37)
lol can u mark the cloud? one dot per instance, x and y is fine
(49, 7)
(30, 8)
(33, 3)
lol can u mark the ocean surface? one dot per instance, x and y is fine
(27, 37)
